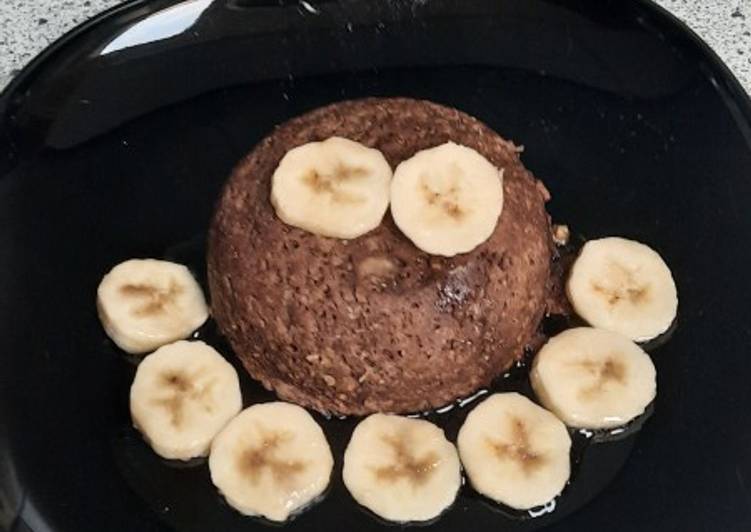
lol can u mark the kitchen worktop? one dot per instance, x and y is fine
(26, 28)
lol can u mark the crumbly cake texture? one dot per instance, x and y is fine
(375, 324)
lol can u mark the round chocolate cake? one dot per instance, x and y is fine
(374, 323)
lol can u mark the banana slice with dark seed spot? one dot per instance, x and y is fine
(182, 396)
(271, 460)
(447, 199)
(401, 469)
(623, 286)
(147, 303)
(514, 451)
(592, 378)
(336, 188)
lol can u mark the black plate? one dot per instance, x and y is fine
(115, 141)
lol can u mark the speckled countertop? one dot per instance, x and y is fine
(26, 27)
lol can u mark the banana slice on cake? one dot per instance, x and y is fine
(271, 460)
(447, 199)
(401, 469)
(181, 397)
(593, 378)
(146, 303)
(515, 452)
(336, 188)
(623, 286)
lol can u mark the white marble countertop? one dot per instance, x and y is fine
(27, 27)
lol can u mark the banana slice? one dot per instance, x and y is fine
(623, 286)
(593, 378)
(337, 188)
(146, 303)
(181, 397)
(400, 468)
(271, 460)
(514, 451)
(447, 199)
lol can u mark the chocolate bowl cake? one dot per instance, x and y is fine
(374, 323)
